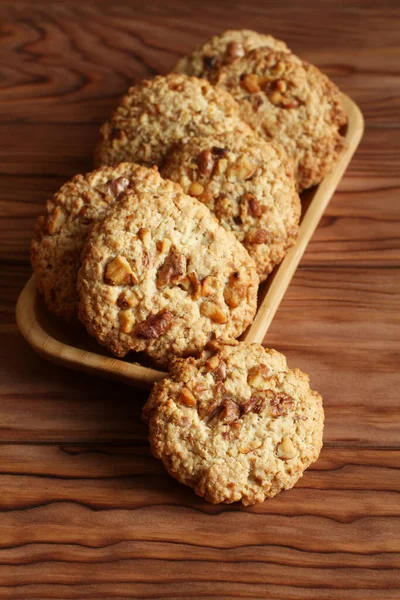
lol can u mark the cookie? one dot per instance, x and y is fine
(60, 234)
(225, 49)
(156, 114)
(292, 102)
(236, 424)
(160, 275)
(249, 185)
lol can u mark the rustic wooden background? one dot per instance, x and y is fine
(85, 512)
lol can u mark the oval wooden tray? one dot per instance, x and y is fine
(75, 349)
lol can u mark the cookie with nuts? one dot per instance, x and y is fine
(248, 184)
(292, 102)
(160, 275)
(237, 424)
(225, 49)
(156, 114)
(60, 234)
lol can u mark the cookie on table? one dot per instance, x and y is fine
(236, 424)
(290, 101)
(156, 114)
(160, 275)
(225, 49)
(248, 184)
(60, 234)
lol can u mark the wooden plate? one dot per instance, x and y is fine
(77, 350)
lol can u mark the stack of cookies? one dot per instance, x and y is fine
(161, 249)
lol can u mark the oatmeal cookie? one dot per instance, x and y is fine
(60, 234)
(225, 49)
(160, 275)
(156, 114)
(290, 101)
(249, 185)
(236, 424)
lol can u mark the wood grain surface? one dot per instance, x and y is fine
(85, 511)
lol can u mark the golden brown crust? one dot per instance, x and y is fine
(248, 184)
(292, 102)
(236, 425)
(154, 273)
(156, 114)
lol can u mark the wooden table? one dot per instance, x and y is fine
(86, 512)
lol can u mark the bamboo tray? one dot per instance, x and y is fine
(77, 350)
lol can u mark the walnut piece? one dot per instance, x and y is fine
(250, 83)
(118, 186)
(236, 290)
(154, 325)
(280, 404)
(286, 449)
(234, 50)
(144, 236)
(258, 375)
(205, 163)
(208, 286)
(126, 320)
(118, 272)
(241, 170)
(253, 205)
(173, 269)
(127, 300)
(213, 312)
(196, 189)
(217, 366)
(187, 397)
(196, 285)
(229, 411)
(258, 236)
(253, 404)
(163, 246)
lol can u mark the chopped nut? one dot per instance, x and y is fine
(205, 163)
(208, 286)
(187, 397)
(276, 98)
(217, 366)
(286, 449)
(221, 166)
(118, 272)
(281, 85)
(196, 189)
(250, 83)
(242, 169)
(154, 325)
(196, 285)
(279, 69)
(126, 300)
(258, 236)
(118, 186)
(280, 404)
(290, 103)
(229, 411)
(213, 312)
(164, 245)
(257, 376)
(253, 404)
(126, 320)
(234, 50)
(173, 269)
(254, 206)
(235, 291)
(144, 236)
(56, 220)
(200, 388)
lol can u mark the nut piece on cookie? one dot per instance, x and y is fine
(253, 194)
(241, 446)
(291, 102)
(156, 114)
(140, 291)
(225, 49)
(60, 234)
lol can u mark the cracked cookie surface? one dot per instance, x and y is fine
(60, 234)
(235, 425)
(224, 49)
(292, 102)
(248, 184)
(156, 114)
(160, 275)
